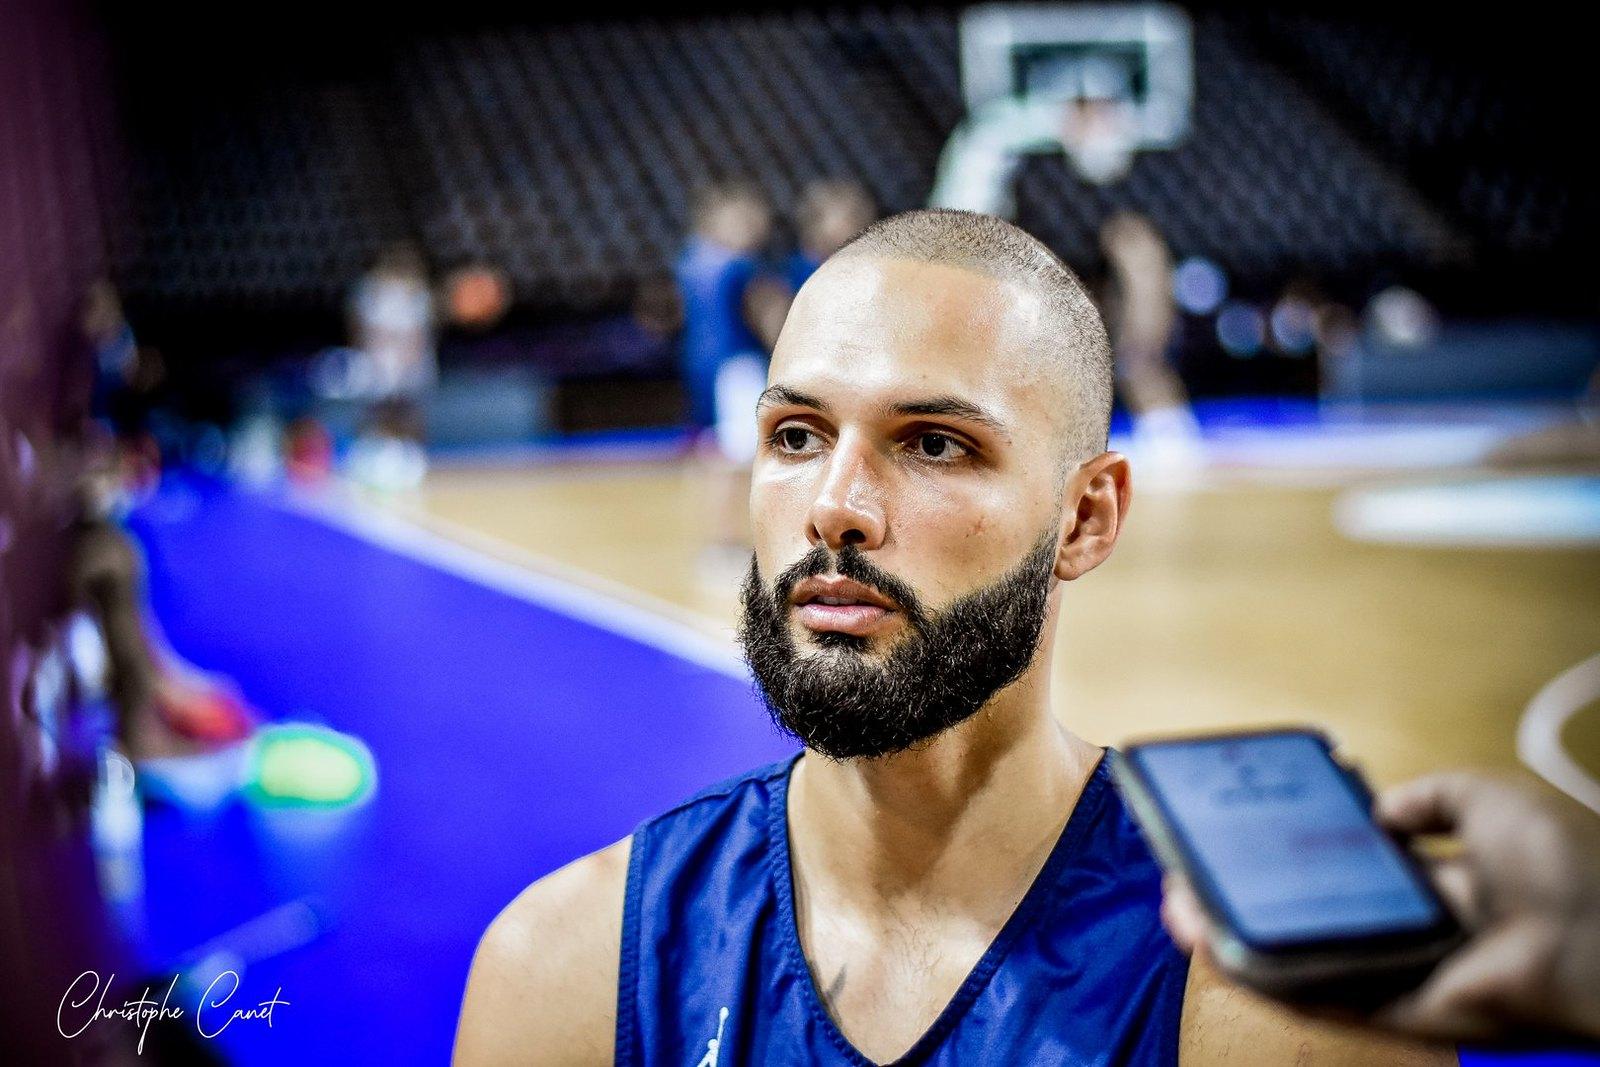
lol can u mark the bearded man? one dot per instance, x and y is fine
(944, 874)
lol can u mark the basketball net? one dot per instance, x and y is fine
(1097, 134)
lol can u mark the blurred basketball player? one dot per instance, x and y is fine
(732, 311)
(945, 873)
(828, 215)
(393, 323)
(1142, 314)
(164, 706)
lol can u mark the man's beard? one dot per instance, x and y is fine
(841, 704)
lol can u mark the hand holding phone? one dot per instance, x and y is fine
(1525, 884)
(1306, 897)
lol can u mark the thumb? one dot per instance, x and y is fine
(1182, 914)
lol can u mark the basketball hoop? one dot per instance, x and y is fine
(1097, 82)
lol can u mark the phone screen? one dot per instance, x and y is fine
(1285, 839)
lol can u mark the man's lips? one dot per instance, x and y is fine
(858, 619)
(839, 605)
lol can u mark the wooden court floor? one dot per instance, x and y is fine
(1234, 605)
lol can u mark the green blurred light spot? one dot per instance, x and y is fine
(301, 765)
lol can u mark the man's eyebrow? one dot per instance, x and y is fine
(944, 404)
(952, 406)
(782, 394)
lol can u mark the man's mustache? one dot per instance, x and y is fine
(852, 563)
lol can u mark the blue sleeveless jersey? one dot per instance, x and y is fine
(713, 281)
(712, 973)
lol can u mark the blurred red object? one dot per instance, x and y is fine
(308, 452)
(203, 710)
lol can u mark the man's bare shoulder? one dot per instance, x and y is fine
(1224, 1024)
(544, 978)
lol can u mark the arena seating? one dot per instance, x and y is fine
(1484, 126)
(273, 200)
(568, 155)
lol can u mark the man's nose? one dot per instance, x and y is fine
(848, 509)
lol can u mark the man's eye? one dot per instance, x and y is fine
(792, 438)
(937, 446)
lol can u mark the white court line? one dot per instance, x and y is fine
(1539, 732)
(527, 576)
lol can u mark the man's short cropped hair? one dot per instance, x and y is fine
(1076, 337)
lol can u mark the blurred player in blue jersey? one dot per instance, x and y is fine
(733, 308)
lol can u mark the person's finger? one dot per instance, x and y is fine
(1182, 914)
(1428, 805)
(1467, 996)
(1414, 1017)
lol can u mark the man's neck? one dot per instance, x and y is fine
(961, 822)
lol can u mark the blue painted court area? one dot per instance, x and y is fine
(509, 739)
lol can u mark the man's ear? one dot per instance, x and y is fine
(1095, 502)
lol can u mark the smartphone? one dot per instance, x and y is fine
(1310, 899)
